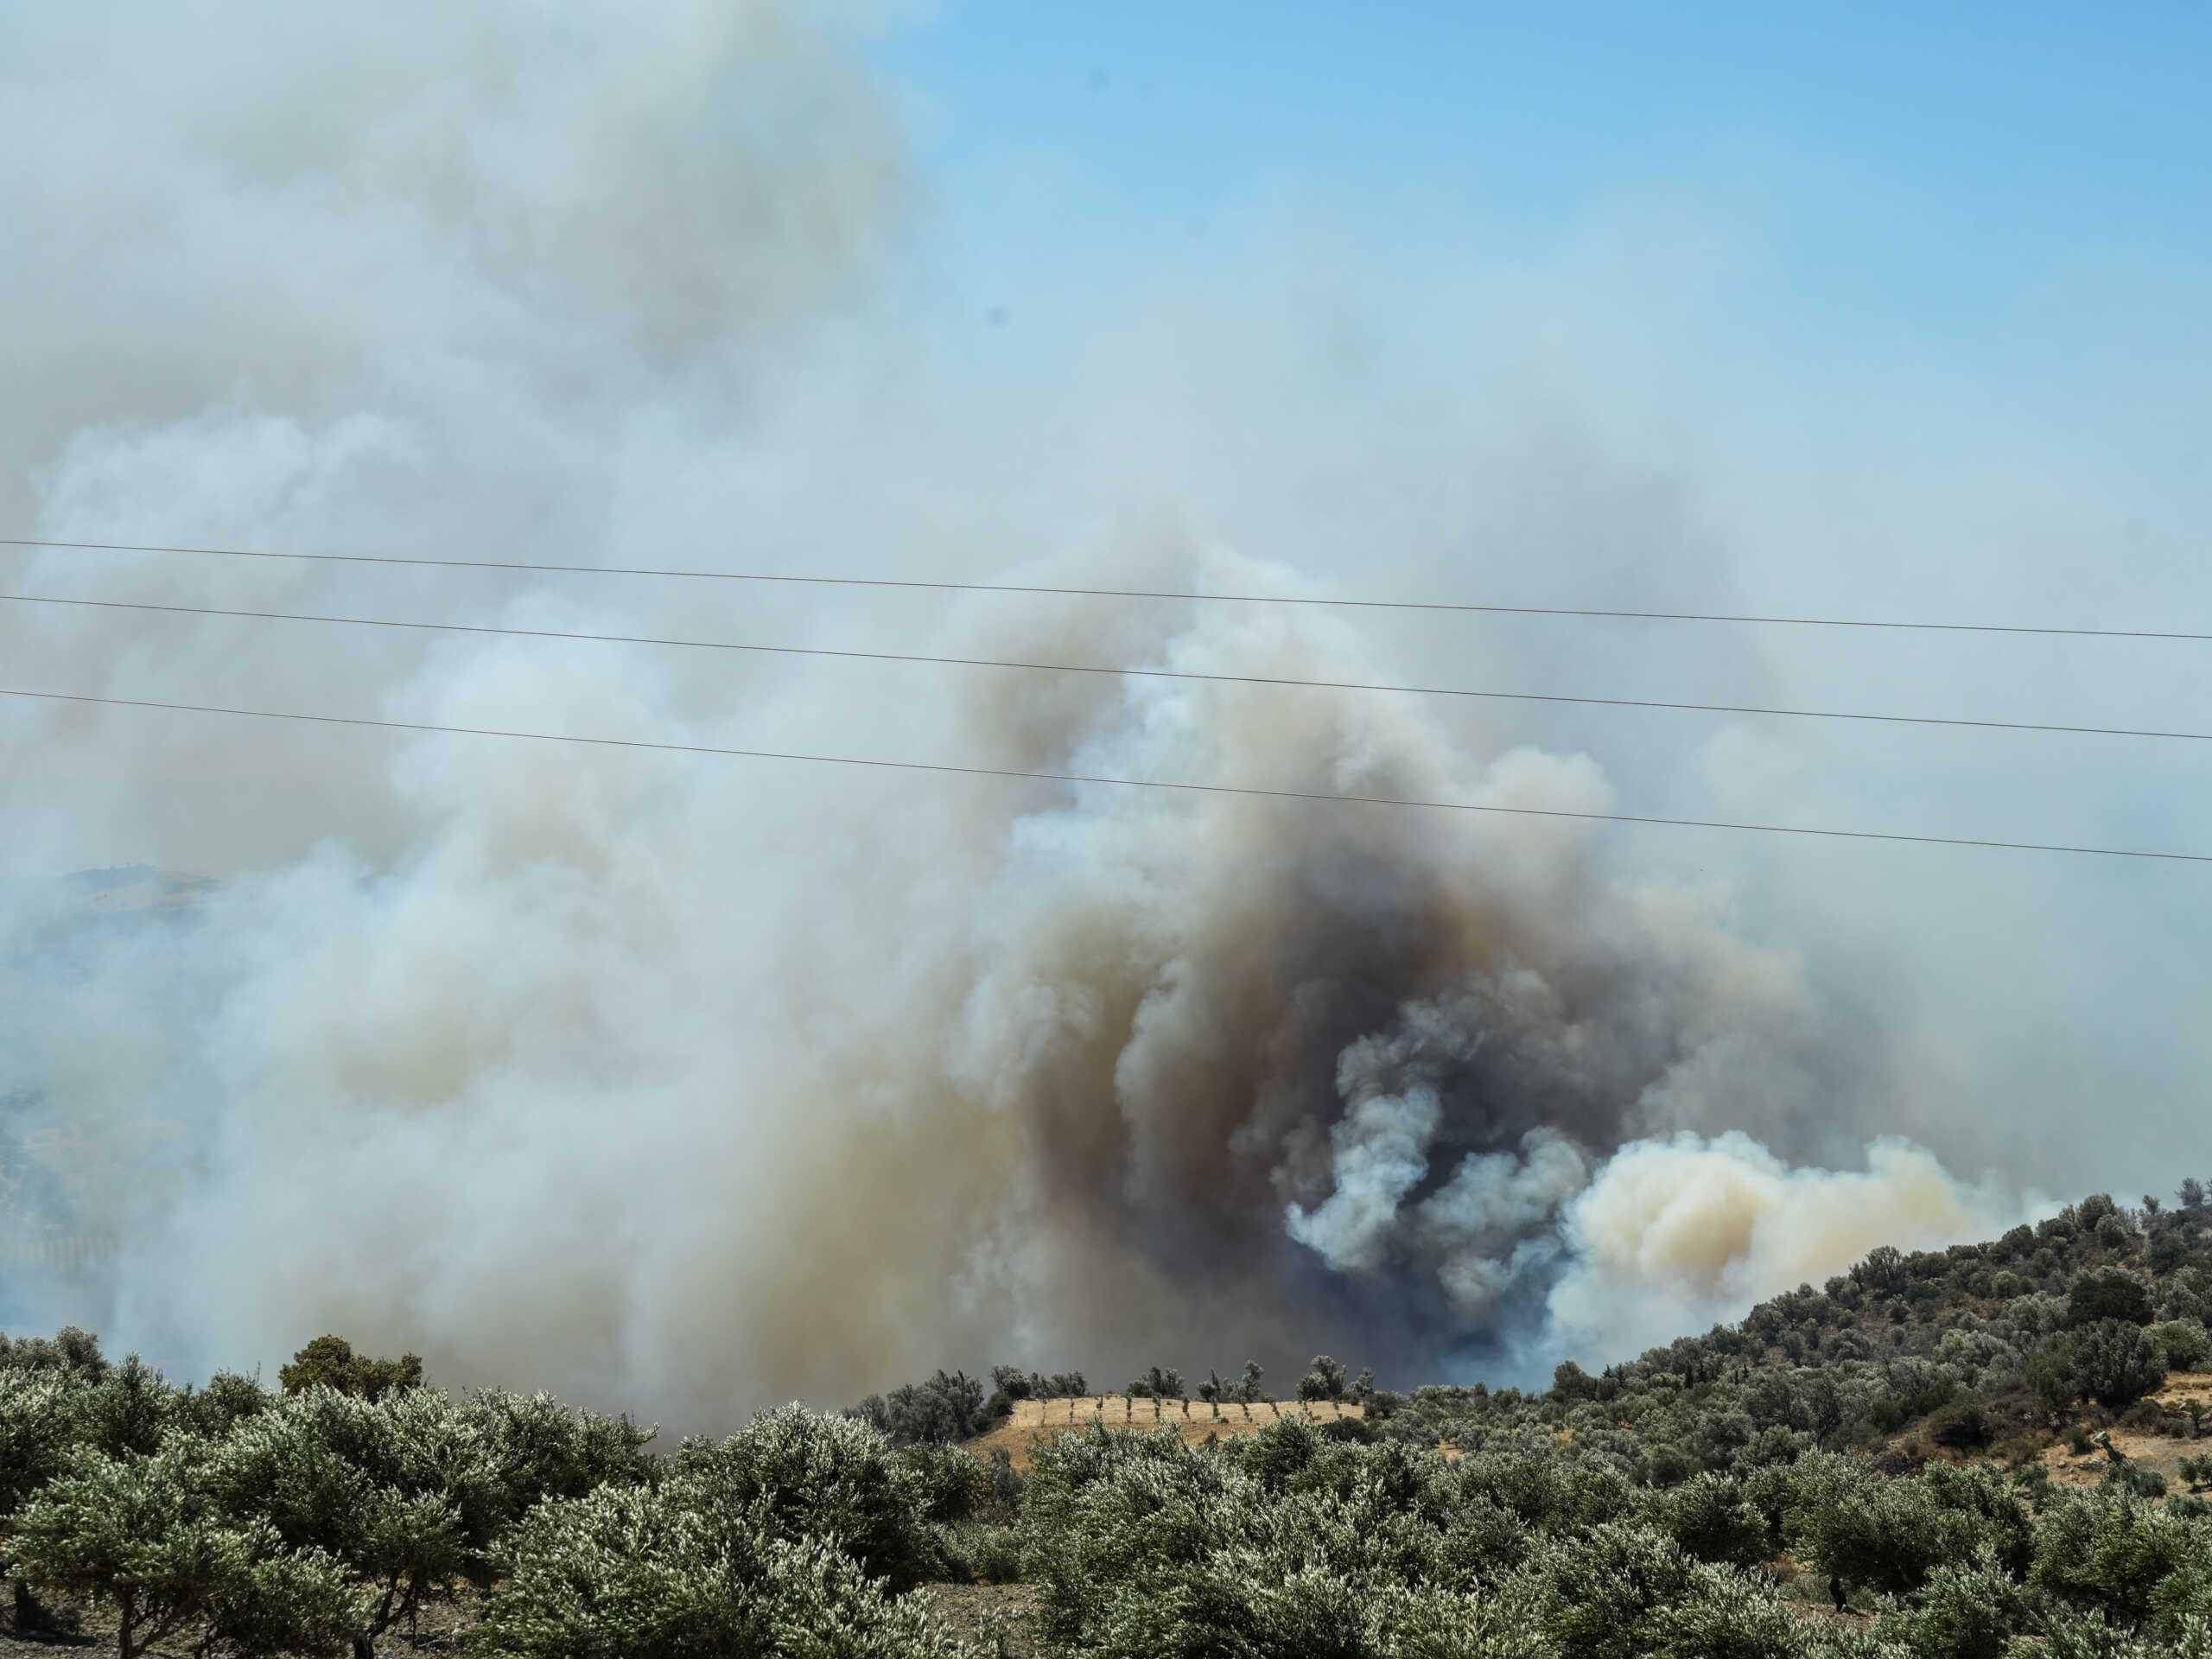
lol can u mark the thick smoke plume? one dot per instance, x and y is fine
(693, 1083)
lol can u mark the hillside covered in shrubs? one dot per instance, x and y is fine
(1968, 1453)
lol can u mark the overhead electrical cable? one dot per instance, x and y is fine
(917, 584)
(949, 769)
(1086, 668)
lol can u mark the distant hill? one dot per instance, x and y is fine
(1991, 1451)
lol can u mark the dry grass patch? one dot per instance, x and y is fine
(2145, 1448)
(1036, 1421)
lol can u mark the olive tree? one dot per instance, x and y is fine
(788, 1537)
(1965, 1610)
(1859, 1528)
(408, 1490)
(2116, 1363)
(69, 1350)
(1158, 1382)
(948, 1407)
(2110, 1550)
(641, 1573)
(143, 1532)
(339, 1474)
(331, 1362)
(2111, 1294)
(38, 1424)
(802, 1474)
(1624, 1593)
(1325, 1379)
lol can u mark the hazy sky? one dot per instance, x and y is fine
(1890, 310)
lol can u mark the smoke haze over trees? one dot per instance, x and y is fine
(1877, 1468)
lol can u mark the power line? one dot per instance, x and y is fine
(1141, 673)
(1119, 783)
(1130, 593)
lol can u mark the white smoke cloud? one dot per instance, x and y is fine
(1495, 1222)
(1632, 1245)
(1378, 1153)
(684, 1083)
(1672, 1235)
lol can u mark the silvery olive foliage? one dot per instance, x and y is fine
(146, 1532)
(680, 1570)
(234, 1521)
(1289, 1544)
(1878, 1444)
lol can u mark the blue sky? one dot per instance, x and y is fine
(1909, 170)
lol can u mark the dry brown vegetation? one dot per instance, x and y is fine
(2160, 1453)
(1036, 1421)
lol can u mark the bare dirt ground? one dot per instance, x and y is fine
(1037, 1420)
(2162, 1453)
(995, 1617)
(90, 1631)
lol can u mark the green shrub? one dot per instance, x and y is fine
(2135, 1478)
(1624, 1593)
(949, 1407)
(795, 1473)
(388, 1492)
(227, 1400)
(1964, 1426)
(987, 1554)
(1668, 1466)
(1278, 1453)
(2111, 1294)
(331, 1362)
(2184, 1344)
(2183, 1599)
(1158, 1383)
(38, 1424)
(645, 1573)
(1712, 1519)
(128, 1409)
(2110, 1550)
(1325, 1379)
(73, 1352)
(1965, 1610)
(1891, 1535)
(144, 1534)
(2116, 1363)
(951, 1484)
(539, 1447)
(1882, 1272)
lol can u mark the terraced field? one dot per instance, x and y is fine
(1036, 1421)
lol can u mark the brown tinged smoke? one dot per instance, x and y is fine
(687, 1084)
